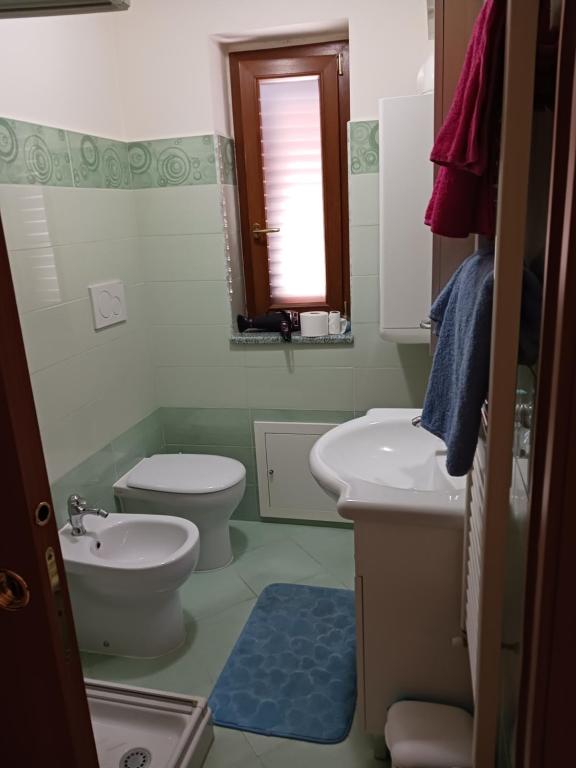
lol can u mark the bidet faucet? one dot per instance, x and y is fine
(77, 508)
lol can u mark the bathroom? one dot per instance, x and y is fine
(132, 234)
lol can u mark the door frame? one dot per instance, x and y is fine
(546, 714)
(44, 711)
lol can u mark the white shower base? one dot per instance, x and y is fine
(141, 728)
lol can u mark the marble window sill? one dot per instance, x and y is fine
(255, 338)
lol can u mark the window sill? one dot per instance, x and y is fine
(255, 338)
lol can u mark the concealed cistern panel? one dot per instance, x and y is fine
(108, 303)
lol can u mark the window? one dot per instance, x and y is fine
(291, 108)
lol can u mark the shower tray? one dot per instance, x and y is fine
(141, 728)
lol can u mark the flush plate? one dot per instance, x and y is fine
(108, 303)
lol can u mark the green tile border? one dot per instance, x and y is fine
(33, 154)
(173, 162)
(363, 148)
(226, 160)
(99, 163)
(39, 154)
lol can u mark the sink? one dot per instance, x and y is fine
(382, 463)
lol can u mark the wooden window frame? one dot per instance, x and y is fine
(246, 67)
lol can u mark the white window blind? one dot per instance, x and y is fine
(291, 141)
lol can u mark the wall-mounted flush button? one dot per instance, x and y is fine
(108, 303)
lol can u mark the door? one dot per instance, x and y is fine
(44, 711)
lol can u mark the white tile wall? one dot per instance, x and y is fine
(89, 387)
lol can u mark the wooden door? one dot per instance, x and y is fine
(44, 712)
(547, 716)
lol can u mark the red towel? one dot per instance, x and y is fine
(463, 200)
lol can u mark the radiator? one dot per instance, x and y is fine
(474, 557)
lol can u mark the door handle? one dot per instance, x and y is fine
(14, 591)
(258, 230)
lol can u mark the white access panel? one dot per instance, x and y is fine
(406, 175)
(286, 486)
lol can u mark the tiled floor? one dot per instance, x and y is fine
(217, 606)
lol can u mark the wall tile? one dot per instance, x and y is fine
(54, 334)
(198, 345)
(249, 507)
(364, 200)
(44, 277)
(86, 215)
(59, 332)
(314, 388)
(24, 216)
(226, 160)
(201, 387)
(388, 388)
(206, 426)
(33, 154)
(189, 303)
(371, 351)
(364, 141)
(97, 162)
(188, 257)
(243, 454)
(365, 299)
(92, 479)
(292, 357)
(142, 440)
(364, 250)
(172, 162)
(178, 211)
(279, 414)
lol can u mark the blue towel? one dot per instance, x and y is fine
(458, 383)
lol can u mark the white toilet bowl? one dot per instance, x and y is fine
(124, 574)
(203, 489)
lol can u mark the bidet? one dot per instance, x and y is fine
(124, 574)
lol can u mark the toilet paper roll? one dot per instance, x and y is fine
(314, 323)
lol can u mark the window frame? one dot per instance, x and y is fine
(328, 61)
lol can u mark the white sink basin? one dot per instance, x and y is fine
(382, 463)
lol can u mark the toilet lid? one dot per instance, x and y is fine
(186, 473)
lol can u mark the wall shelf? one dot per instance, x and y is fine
(249, 338)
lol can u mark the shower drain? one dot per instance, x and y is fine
(136, 758)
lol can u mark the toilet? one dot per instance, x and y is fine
(201, 488)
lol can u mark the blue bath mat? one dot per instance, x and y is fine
(292, 672)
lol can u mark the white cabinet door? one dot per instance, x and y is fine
(286, 485)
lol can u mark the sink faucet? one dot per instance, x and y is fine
(77, 508)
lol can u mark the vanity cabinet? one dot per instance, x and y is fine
(408, 606)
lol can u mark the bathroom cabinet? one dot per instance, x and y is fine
(408, 599)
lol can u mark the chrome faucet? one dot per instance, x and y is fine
(416, 421)
(77, 508)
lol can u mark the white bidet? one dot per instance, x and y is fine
(124, 574)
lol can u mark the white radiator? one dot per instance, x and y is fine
(475, 557)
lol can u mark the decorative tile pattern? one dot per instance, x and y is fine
(172, 162)
(33, 154)
(226, 159)
(363, 146)
(97, 162)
